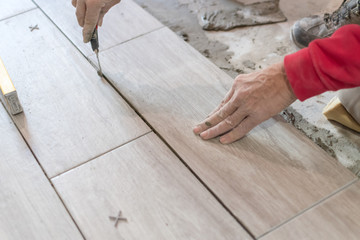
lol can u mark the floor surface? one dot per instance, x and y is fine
(115, 157)
(248, 49)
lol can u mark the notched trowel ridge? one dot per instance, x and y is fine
(229, 14)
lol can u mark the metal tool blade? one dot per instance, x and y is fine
(99, 72)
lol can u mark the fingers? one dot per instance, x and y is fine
(105, 9)
(226, 99)
(207, 124)
(91, 19)
(240, 131)
(90, 13)
(73, 2)
(219, 129)
(227, 110)
(101, 19)
(226, 125)
(102, 14)
(80, 11)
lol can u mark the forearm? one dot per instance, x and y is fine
(326, 65)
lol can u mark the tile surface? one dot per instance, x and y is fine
(157, 194)
(13, 7)
(336, 218)
(70, 114)
(265, 178)
(29, 206)
(123, 22)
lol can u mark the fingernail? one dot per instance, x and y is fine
(223, 140)
(196, 130)
(87, 38)
(204, 134)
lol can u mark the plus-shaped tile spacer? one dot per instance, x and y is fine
(33, 28)
(117, 219)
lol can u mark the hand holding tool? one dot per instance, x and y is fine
(90, 13)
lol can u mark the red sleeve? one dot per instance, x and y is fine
(327, 64)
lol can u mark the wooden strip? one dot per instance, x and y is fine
(29, 206)
(154, 191)
(13, 7)
(123, 22)
(336, 218)
(70, 114)
(9, 94)
(265, 178)
(6, 84)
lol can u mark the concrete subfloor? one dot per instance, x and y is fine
(247, 49)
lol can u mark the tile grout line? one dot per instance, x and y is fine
(162, 139)
(17, 14)
(100, 155)
(87, 57)
(168, 145)
(183, 162)
(43, 170)
(57, 27)
(23, 137)
(218, 199)
(128, 40)
(338, 191)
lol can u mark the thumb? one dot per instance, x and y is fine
(101, 19)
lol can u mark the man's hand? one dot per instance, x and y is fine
(252, 99)
(90, 13)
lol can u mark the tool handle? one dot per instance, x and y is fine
(95, 40)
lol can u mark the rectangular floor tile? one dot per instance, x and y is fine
(155, 192)
(70, 114)
(123, 22)
(336, 218)
(29, 206)
(265, 178)
(13, 7)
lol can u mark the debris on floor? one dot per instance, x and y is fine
(229, 14)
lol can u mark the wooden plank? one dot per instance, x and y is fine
(123, 22)
(336, 218)
(157, 194)
(29, 206)
(13, 7)
(264, 179)
(9, 94)
(6, 84)
(70, 115)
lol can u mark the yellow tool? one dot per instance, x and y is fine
(337, 112)
(8, 91)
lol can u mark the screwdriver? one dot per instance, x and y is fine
(95, 47)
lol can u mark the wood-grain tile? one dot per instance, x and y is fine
(336, 218)
(29, 206)
(123, 22)
(157, 194)
(70, 114)
(265, 178)
(13, 7)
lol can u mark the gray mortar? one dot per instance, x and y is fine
(229, 14)
(179, 19)
(249, 64)
(339, 147)
(183, 21)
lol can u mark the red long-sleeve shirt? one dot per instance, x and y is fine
(327, 64)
